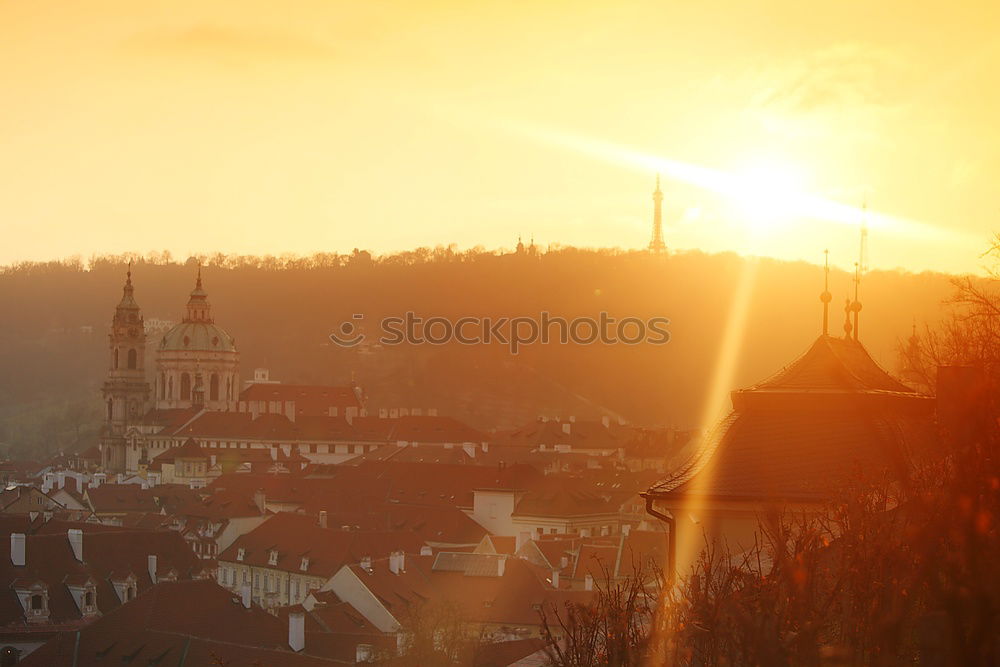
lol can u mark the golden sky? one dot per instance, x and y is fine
(309, 126)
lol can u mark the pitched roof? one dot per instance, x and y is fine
(49, 558)
(797, 434)
(833, 364)
(298, 536)
(315, 400)
(194, 622)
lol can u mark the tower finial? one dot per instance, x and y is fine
(198, 283)
(826, 297)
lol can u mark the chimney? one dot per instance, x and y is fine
(501, 566)
(522, 538)
(588, 582)
(366, 563)
(296, 631)
(555, 578)
(426, 551)
(151, 566)
(572, 418)
(76, 542)
(260, 500)
(245, 595)
(626, 529)
(363, 653)
(394, 565)
(17, 542)
(322, 519)
(606, 421)
(383, 413)
(564, 562)
(566, 427)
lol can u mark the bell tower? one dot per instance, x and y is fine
(125, 391)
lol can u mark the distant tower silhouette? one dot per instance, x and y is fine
(657, 245)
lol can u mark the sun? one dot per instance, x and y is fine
(766, 194)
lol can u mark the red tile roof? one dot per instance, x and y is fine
(796, 435)
(314, 400)
(298, 536)
(49, 558)
(189, 622)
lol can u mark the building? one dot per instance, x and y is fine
(790, 443)
(289, 555)
(60, 581)
(126, 392)
(197, 363)
(191, 623)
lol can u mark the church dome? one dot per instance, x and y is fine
(198, 332)
(198, 337)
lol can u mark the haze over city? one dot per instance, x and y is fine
(499, 334)
(258, 128)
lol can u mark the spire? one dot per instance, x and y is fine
(826, 297)
(856, 305)
(198, 307)
(128, 293)
(847, 318)
(656, 245)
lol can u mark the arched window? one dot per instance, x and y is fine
(185, 387)
(170, 387)
(115, 362)
(213, 388)
(110, 409)
(132, 358)
(163, 385)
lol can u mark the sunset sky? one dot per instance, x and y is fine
(271, 127)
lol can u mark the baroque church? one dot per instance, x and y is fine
(197, 367)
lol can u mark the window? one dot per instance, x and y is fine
(213, 388)
(256, 581)
(305, 564)
(115, 361)
(240, 553)
(272, 558)
(88, 599)
(37, 603)
(133, 358)
(185, 387)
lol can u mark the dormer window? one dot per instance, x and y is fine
(272, 558)
(241, 554)
(37, 602)
(305, 563)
